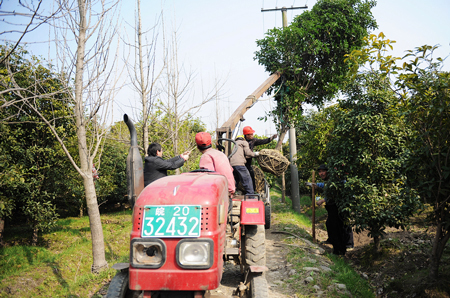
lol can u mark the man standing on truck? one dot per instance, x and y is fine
(156, 167)
(238, 161)
(214, 160)
(252, 142)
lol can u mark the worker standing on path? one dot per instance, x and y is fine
(252, 142)
(214, 160)
(339, 234)
(238, 160)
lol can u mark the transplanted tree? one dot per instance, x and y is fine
(310, 53)
(427, 109)
(93, 27)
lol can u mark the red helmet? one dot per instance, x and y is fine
(248, 130)
(203, 139)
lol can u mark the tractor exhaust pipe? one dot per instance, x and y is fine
(135, 170)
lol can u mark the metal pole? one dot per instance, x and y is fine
(284, 16)
(313, 206)
(295, 192)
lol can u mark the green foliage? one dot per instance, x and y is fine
(162, 132)
(313, 134)
(426, 92)
(427, 110)
(310, 53)
(111, 187)
(366, 154)
(374, 54)
(424, 97)
(33, 166)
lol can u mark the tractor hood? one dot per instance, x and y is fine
(206, 189)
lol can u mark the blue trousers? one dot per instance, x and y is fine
(241, 173)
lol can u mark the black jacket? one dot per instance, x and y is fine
(252, 143)
(155, 167)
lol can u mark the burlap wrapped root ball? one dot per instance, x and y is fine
(272, 161)
(259, 181)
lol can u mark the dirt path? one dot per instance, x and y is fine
(276, 262)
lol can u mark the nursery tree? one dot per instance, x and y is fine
(427, 111)
(33, 166)
(366, 153)
(425, 100)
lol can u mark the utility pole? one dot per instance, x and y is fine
(295, 192)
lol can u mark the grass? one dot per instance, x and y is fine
(61, 265)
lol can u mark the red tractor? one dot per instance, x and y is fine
(182, 234)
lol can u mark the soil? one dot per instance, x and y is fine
(275, 262)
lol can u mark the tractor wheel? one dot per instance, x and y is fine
(255, 246)
(259, 287)
(118, 288)
(268, 216)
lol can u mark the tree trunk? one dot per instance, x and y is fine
(34, 237)
(376, 245)
(2, 229)
(143, 90)
(98, 246)
(439, 242)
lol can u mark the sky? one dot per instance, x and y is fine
(217, 41)
(217, 38)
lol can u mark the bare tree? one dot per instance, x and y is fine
(145, 72)
(91, 88)
(180, 103)
(34, 16)
(93, 25)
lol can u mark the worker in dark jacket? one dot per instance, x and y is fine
(252, 142)
(339, 234)
(156, 167)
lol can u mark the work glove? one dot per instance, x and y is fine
(256, 153)
(310, 184)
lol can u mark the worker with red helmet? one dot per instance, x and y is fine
(214, 160)
(252, 142)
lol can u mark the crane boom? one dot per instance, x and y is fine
(228, 127)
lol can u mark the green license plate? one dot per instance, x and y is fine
(171, 221)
